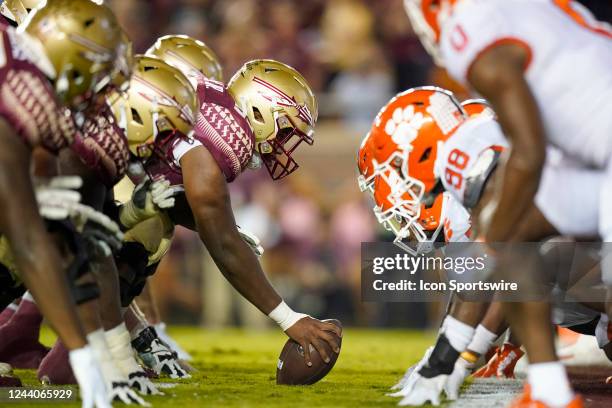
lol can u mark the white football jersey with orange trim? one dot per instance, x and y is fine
(459, 155)
(568, 72)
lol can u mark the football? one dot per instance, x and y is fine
(292, 369)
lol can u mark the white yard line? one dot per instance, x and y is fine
(488, 393)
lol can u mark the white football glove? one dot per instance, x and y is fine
(140, 382)
(116, 383)
(57, 195)
(462, 369)
(121, 392)
(409, 374)
(422, 390)
(156, 355)
(88, 374)
(118, 340)
(252, 241)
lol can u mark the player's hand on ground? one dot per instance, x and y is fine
(409, 375)
(454, 382)
(309, 332)
(422, 390)
(139, 381)
(88, 374)
(121, 392)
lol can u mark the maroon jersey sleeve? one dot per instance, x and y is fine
(102, 146)
(223, 129)
(27, 100)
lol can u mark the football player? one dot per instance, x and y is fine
(99, 156)
(524, 64)
(461, 164)
(264, 113)
(49, 70)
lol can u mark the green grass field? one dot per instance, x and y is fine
(237, 369)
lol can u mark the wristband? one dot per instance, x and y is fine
(469, 357)
(284, 316)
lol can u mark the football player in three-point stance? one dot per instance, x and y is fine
(54, 69)
(523, 63)
(264, 113)
(401, 143)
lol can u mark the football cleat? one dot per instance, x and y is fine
(502, 364)
(156, 355)
(525, 401)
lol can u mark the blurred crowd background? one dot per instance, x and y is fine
(356, 54)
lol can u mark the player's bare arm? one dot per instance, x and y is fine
(34, 251)
(208, 197)
(498, 75)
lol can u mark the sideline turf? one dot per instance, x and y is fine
(237, 369)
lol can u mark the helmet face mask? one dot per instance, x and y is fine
(281, 109)
(397, 196)
(276, 153)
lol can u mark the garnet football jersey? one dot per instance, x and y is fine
(27, 100)
(220, 127)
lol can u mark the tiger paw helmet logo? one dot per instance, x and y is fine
(404, 126)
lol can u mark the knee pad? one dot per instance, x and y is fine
(81, 292)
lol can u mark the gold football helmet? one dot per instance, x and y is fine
(83, 42)
(192, 57)
(280, 107)
(160, 99)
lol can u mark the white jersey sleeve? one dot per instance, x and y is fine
(470, 34)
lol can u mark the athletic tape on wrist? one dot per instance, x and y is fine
(284, 316)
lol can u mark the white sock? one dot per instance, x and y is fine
(482, 340)
(97, 341)
(458, 333)
(549, 383)
(118, 340)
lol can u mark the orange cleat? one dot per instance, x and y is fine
(502, 364)
(525, 401)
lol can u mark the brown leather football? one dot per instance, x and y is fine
(292, 369)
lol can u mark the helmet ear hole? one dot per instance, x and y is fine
(136, 117)
(425, 155)
(257, 115)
